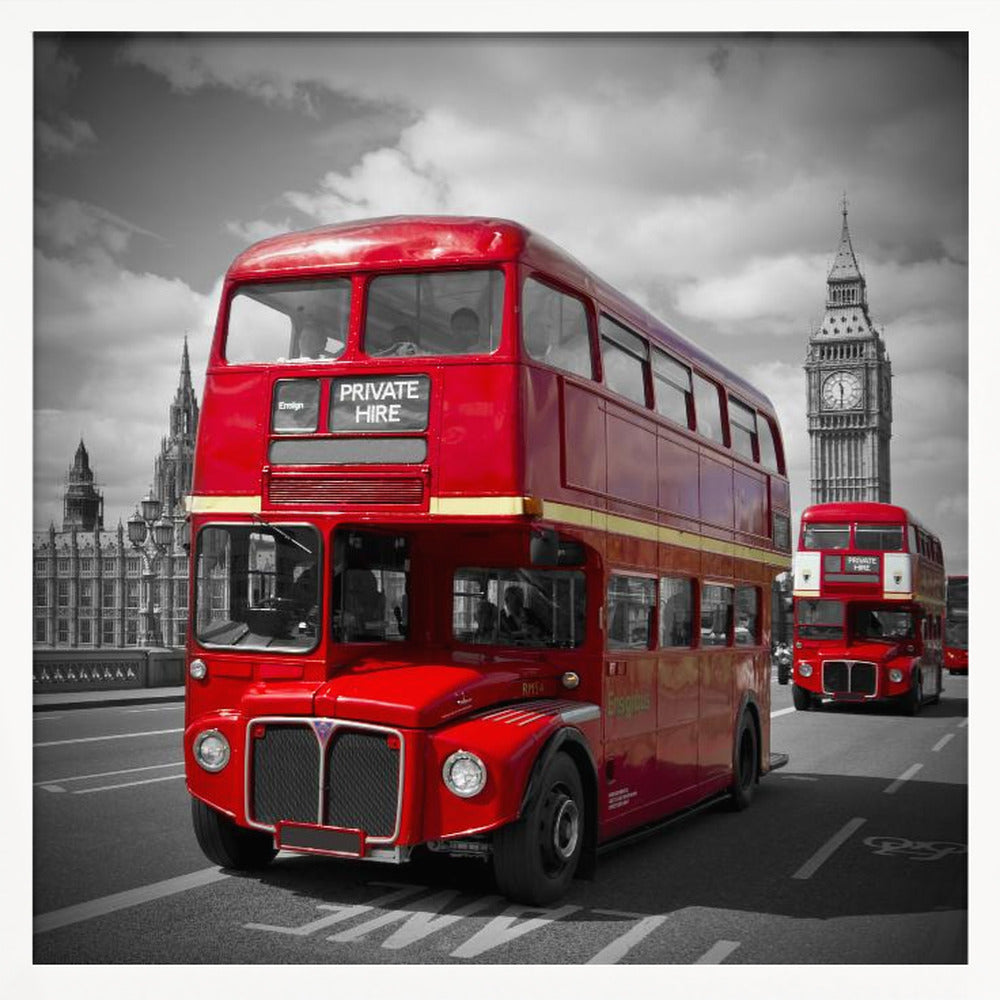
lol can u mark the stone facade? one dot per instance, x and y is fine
(87, 582)
(849, 391)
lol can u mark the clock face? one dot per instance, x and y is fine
(842, 391)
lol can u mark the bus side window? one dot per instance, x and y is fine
(709, 413)
(554, 328)
(676, 607)
(625, 357)
(716, 615)
(631, 606)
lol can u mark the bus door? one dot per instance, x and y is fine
(630, 695)
(717, 663)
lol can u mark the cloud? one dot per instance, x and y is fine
(67, 225)
(56, 132)
(62, 135)
(258, 229)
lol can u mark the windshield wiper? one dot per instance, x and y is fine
(284, 534)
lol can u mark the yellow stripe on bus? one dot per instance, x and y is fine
(223, 505)
(597, 520)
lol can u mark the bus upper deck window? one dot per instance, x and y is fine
(826, 536)
(288, 321)
(554, 329)
(434, 313)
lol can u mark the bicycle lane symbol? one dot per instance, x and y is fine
(914, 850)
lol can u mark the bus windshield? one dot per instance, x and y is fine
(827, 536)
(519, 607)
(819, 619)
(881, 623)
(878, 537)
(447, 312)
(257, 587)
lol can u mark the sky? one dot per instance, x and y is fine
(702, 174)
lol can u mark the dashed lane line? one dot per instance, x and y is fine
(963, 723)
(155, 708)
(941, 742)
(127, 784)
(719, 952)
(621, 946)
(123, 900)
(107, 774)
(97, 739)
(895, 786)
(829, 848)
(782, 711)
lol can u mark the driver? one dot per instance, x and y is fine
(516, 620)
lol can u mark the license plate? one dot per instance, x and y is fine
(321, 839)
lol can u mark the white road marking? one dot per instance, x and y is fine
(127, 784)
(109, 774)
(97, 739)
(53, 788)
(424, 920)
(45, 717)
(155, 708)
(341, 912)
(827, 850)
(621, 946)
(500, 930)
(963, 723)
(719, 952)
(797, 777)
(904, 777)
(941, 742)
(782, 711)
(122, 900)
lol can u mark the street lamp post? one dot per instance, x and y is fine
(150, 535)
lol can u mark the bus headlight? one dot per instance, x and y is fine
(198, 669)
(805, 670)
(211, 750)
(895, 675)
(464, 774)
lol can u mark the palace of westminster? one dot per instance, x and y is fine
(95, 588)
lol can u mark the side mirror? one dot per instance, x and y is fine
(544, 547)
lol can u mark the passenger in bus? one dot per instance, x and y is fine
(313, 341)
(518, 621)
(362, 613)
(465, 331)
(486, 621)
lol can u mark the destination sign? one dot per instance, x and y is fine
(380, 404)
(861, 564)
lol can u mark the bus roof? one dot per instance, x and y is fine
(874, 513)
(451, 241)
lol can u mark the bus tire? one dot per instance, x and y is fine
(801, 698)
(914, 698)
(535, 858)
(746, 763)
(227, 844)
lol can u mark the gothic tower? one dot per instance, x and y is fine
(83, 504)
(173, 468)
(849, 390)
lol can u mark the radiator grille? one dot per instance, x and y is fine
(346, 490)
(362, 783)
(286, 775)
(849, 677)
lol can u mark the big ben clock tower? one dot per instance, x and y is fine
(849, 379)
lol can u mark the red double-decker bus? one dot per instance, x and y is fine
(869, 607)
(482, 558)
(956, 626)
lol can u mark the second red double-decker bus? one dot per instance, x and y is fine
(869, 607)
(956, 626)
(482, 557)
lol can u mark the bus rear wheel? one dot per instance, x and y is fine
(914, 698)
(535, 858)
(745, 764)
(227, 844)
(802, 699)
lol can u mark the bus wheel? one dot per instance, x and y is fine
(745, 764)
(802, 699)
(227, 844)
(914, 698)
(534, 859)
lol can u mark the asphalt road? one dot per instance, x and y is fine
(854, 853)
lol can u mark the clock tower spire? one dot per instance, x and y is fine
(849, 389)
